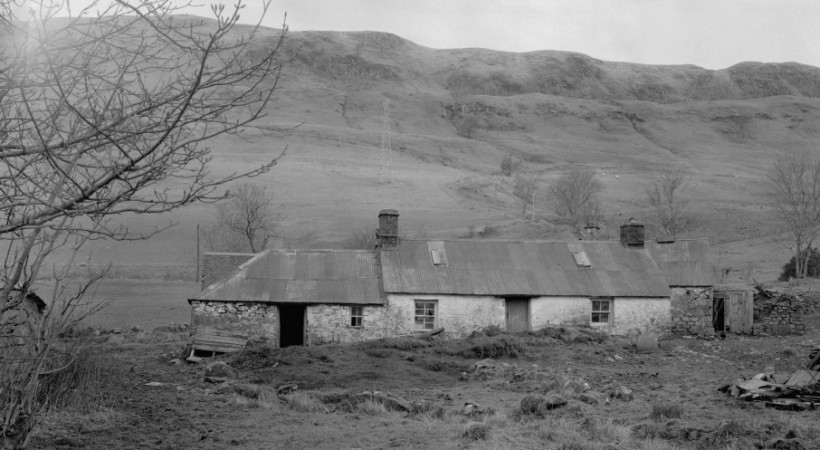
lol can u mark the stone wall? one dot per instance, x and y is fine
(19, 324)
(331, 324)
(629, 316)
(781, 314)
(258, 319)
(692, 311)
(459, 315)
(216, 266)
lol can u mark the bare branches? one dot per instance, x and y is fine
(247, 220)
(669, 206)
(793, 191)
(576, 195)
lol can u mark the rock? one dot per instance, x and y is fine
(622, 393)
(610, 359)
(115, 339)
(220, 369)
(216, 380)
(618, 358)
(175, 362)
(286, 389)
(577, 385)
(593, 398)
(539, 405)
(471, 408)
(647, 343)
(247, 390)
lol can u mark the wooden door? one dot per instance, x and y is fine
(740, 312)
(518, 314)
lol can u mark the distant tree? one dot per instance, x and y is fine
(362, 237)
(666, 197)
(525, 190)
(460, 84)
(811, 259)
(247, 220)
(509, 164)
(793, 190)
(576, 195)
(466, 125)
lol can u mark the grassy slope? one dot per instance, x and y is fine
(627, 121)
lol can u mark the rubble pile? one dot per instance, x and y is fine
(779, 313)
(795, 391)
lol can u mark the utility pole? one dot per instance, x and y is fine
(197, 254)
(385, 171)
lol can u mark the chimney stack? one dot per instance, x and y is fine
(388, 233)
(632, 233)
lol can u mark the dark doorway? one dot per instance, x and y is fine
(291, 325)
(518, 314)
(719, 314)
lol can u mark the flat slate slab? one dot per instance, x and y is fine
(209, 339)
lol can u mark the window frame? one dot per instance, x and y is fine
(425, 316)
(608, 310)
(354, 318)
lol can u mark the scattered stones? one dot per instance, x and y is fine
(593, 398)
(286, 389)
(539, 405)
(622, 393)
(247, 390)
(220, 369)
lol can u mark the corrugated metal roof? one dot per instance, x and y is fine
(522, 268)
(303, 276)
(684, 262)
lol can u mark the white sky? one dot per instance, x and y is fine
(710, 33)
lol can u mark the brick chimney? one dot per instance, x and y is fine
(388, 232)
(632, 234)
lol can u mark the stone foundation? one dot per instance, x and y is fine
(692, 311)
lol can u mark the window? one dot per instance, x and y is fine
(356, 314)
(437, 252)
(601, 312)
(425, 315)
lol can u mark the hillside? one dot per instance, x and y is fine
(553, 110)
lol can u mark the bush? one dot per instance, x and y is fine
(813, 269)
(509, 165)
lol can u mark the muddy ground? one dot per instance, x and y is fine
(430, 393)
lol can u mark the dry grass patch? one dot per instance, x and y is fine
(665, 411)
(303, 402)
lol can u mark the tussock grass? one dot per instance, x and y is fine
(665, 411)
(303, 402)
(476, 431)
(372, 407)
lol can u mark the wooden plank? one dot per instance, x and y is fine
(214, 340)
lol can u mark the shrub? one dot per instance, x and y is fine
(491, 347)
(476, 431)
(812, 268)
(509, 165)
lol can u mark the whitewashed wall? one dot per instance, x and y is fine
(459, 315)
(629, 316)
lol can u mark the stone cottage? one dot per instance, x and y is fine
(685, 267)
(304, 297)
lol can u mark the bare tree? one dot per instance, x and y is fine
(669, 206)
(576, 195)
(363, 237)
(509, 164)
(247, 220)
(101, 114)
(793, 189)
(525, 190)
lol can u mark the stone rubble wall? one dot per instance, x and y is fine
(692, 311)
(258, 319)
(19, 325)
(331, 324)
(781, 314)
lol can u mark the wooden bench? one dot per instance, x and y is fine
(209, 339)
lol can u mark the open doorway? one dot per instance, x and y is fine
(291, 325)
(719, 314)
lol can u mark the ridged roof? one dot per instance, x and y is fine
(521, 268)
(302, 276)
(683, 262)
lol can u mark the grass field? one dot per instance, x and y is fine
(143, 303)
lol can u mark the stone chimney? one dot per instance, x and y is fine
(591, 232)
(632, 233)
(388, 232)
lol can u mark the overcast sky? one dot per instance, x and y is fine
(710, 33)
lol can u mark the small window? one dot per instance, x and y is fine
(356, 314)
(601, 312)
(581, 259)
(425, 315)
(437, 253)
